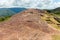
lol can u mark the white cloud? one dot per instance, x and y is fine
(57, 4)
(6, 3)
(40, 4)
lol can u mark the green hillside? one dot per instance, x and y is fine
(5, 14)
(55, 11)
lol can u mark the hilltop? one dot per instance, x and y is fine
(29, 24)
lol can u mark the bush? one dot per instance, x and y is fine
(4, 18)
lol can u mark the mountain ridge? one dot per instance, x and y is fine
(26, 25)
(10, 11)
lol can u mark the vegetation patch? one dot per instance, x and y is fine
(52, 20)
(57, 13)
(56, 37)
(4, 18)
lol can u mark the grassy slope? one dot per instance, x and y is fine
(56, 37)
(49, 18)
(5, 14)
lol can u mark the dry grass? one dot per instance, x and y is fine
(49, 18)
(56, 37)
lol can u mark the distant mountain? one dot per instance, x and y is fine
(57, 9)
(17, 9)
(10, 11)
(6, 12)
(54, 10)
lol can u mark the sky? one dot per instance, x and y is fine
(39, 4)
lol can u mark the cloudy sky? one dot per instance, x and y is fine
(40, 4)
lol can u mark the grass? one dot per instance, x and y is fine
(4, 18)
(56, 37)
(53, 20)
(55, 26)
(49, 18)
(57, 13)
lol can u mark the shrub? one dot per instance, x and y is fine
(4, 18)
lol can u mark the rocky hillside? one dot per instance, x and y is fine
(27, 25)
